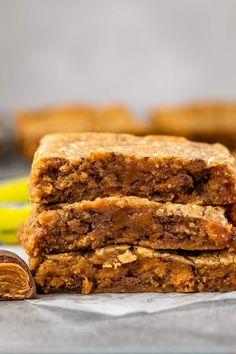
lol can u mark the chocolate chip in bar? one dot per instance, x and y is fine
(16, 281)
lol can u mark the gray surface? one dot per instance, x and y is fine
(204, 328)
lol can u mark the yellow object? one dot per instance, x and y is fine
(12, 217)
(15, 190)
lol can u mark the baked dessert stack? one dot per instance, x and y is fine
(120, 213)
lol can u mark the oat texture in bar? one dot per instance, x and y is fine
(125, 220)
(70, 168)
(124, 268)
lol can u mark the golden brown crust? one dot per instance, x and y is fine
(135, 269)
(74, 167)
(125, 220)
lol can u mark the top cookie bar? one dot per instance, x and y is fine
(83, 166)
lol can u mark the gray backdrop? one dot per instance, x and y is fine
(142, 52)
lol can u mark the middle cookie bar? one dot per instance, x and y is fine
(125, 220)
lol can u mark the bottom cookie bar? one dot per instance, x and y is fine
(115, 269)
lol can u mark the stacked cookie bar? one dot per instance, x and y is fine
(120, 213)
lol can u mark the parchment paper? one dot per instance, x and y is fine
(121, 304)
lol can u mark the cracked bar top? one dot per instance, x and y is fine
(134, 269)
(69, 168)
(125, 220)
